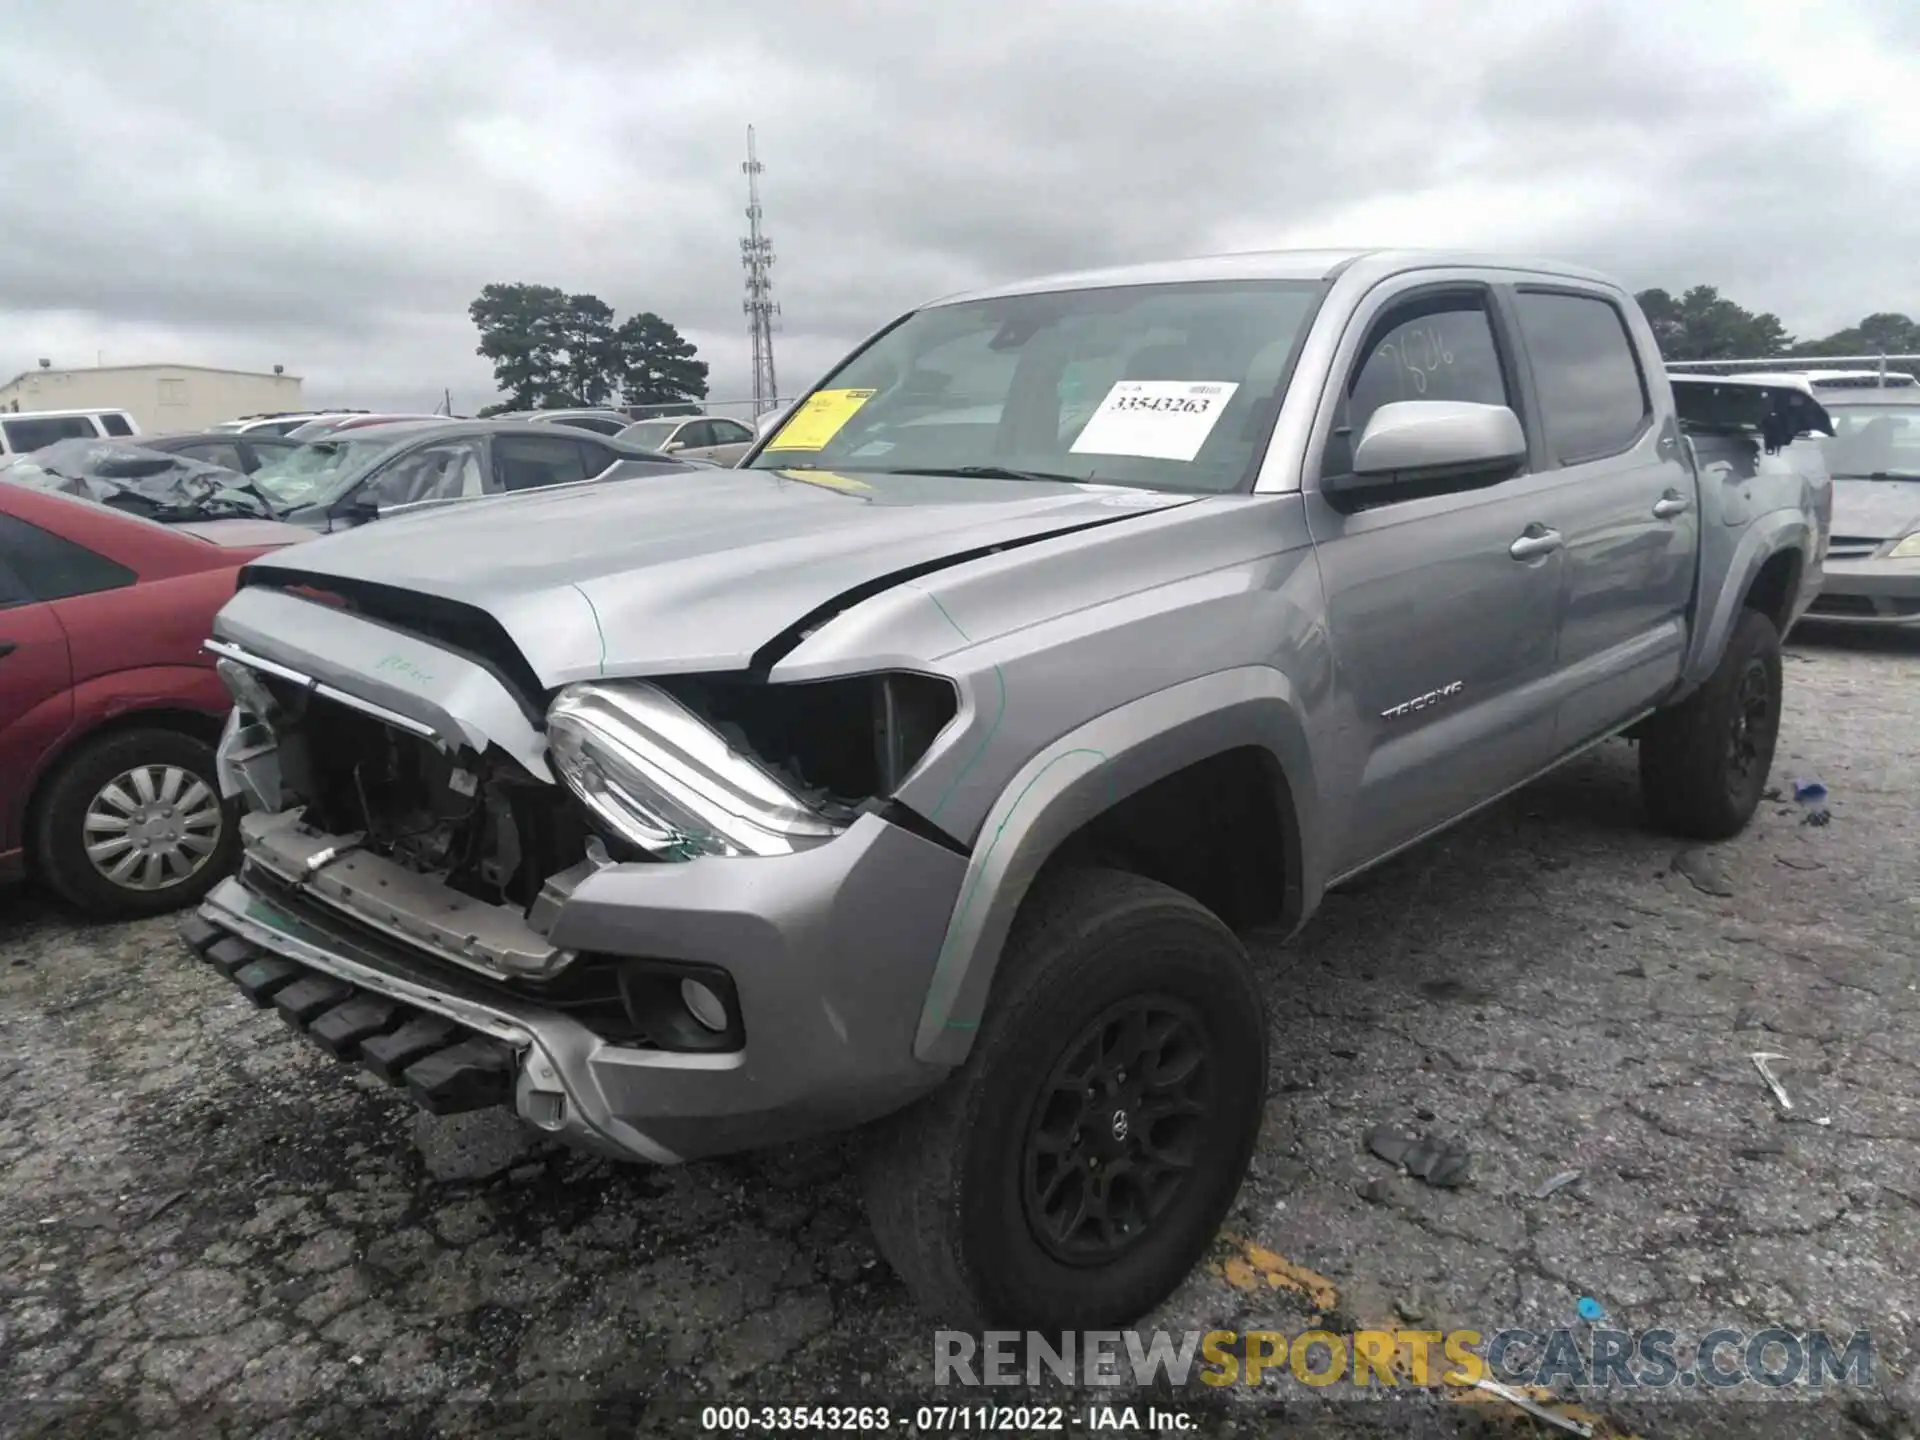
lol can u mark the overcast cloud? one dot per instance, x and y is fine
(329, 186)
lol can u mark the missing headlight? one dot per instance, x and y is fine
(725, 765)
(840, 742)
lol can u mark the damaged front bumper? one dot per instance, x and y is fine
(820, 955)
(830, 970)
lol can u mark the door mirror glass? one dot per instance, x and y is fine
(1433, 440)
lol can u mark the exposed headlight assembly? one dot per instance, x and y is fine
(665, 782)
(1906, 549)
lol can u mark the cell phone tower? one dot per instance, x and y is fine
(756, 257)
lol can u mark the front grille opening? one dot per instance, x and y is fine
(490, 832)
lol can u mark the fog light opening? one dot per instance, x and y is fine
(703, 1005)
(547, 1109)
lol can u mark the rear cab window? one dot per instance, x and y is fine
(115, 424)
(34, 432)
(1593, 398)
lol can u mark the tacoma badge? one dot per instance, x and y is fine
(1421, 702)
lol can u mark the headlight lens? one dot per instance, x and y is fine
(665, 782)
(1907, 549)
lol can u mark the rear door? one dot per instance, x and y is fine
(1442, 609)
(730, 440)
(36, 680)
(535, 462)
(1625, 501)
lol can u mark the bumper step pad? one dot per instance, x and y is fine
(445, 1067)
(342, 1028)
(473, 1075)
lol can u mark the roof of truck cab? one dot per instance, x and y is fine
(1276, 265)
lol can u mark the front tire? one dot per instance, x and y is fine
(1704, 763)
(1071, 1173)
(132, 824)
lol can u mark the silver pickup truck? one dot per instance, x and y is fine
(921, 772)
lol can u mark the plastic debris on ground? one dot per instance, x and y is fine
(1590, 1310)
(1702, 872)
(1558, 1182)
(1539, 1412)
(1809, 792)
(1760, 1059)
(1444, 1164)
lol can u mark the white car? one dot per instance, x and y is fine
(698, 437)
(27, 430)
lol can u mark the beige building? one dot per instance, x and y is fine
(163, 399)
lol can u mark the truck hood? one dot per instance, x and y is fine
(1875, 509)
(694, 572)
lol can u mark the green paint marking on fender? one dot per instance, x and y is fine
(397, 664)
(591, 610)
(973, 887)
(999, 714)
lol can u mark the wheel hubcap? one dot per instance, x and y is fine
(1752, 726)
(1117, 1130)
(152, 827)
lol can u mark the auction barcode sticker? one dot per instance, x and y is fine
(1155, 419)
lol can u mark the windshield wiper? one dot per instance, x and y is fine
(996, 472)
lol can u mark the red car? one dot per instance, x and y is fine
(109, 708)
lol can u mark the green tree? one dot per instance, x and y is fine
(551, 350)
(520, 332)
(1704, 325)
(1884, 333)
(656, 364)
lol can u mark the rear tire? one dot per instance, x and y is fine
(148, 787)
(1076, 1167)
(1704, 763)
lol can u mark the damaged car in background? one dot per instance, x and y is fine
(154, 484)
(920, 771)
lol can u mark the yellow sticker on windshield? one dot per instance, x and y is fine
(819, 420)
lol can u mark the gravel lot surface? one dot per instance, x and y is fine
(205, 1225)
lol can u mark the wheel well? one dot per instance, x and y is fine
(1775, 586)
(196, 723)
(1222, 830)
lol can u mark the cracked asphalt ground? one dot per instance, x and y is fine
(207, 1226)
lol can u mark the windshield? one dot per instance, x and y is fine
(1873, 441)
(315, 472)
(1166, 386)
(649, 434)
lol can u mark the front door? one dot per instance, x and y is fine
(1442, 610)
(1626, 503)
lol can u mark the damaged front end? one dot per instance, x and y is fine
(397, 829)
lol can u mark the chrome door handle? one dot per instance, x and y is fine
(1671, 504)
(1536, 542)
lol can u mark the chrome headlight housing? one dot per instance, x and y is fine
(664, 781)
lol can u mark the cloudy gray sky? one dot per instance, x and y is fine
(328, 186)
